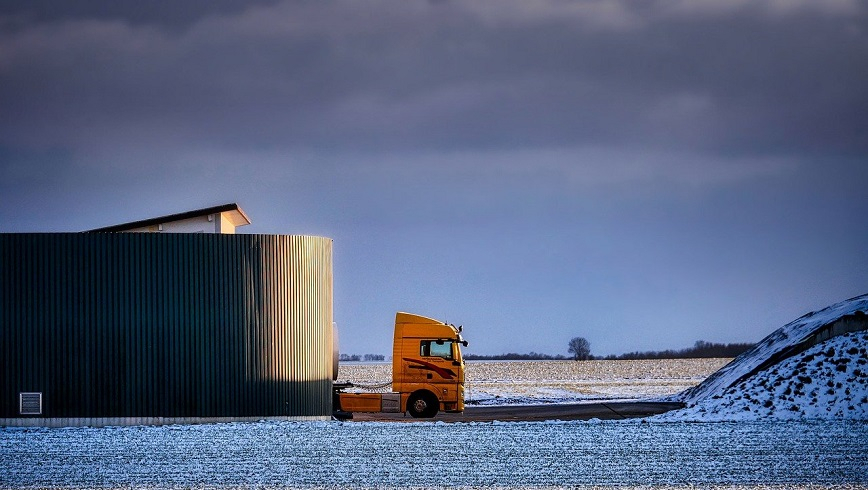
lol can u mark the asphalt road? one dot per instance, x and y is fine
(517, 413)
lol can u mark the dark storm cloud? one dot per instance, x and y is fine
(651, 172)
(169, 13)
(410, 75)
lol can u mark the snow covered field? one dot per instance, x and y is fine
(593, 454)
(402, 455)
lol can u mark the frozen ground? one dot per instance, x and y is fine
(399, 455)
(493, 383)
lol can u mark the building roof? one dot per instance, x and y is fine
(234, 213)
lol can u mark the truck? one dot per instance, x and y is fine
(427, 372)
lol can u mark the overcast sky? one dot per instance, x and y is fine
(643, 174)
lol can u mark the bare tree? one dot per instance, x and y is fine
(580, 348)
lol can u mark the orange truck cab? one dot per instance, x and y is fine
(427, 372)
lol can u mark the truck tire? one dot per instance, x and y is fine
(423, 405)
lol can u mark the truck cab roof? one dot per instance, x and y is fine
(410, 325)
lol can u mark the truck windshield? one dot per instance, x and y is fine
(437, 348)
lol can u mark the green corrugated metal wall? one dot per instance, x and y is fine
(130, 325)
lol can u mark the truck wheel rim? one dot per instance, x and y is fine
(420, 405)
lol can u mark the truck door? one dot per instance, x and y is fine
(437, 363)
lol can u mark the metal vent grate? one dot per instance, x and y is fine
(30, 403)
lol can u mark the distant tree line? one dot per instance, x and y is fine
(701, 349)
(366, 357)
(581, 351)
(533, 356)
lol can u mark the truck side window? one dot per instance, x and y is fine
(437, 348)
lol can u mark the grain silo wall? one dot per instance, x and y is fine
(135, 328)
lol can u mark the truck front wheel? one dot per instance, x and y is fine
(423, 404)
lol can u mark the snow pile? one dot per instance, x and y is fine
(784, 338)
(829, 380)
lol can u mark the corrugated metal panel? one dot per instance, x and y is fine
(166, 325)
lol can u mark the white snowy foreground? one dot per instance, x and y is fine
(594, 454)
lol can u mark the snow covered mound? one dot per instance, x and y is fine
(829, 380)
(791, 339)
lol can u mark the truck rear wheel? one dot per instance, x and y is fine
(423, 404)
